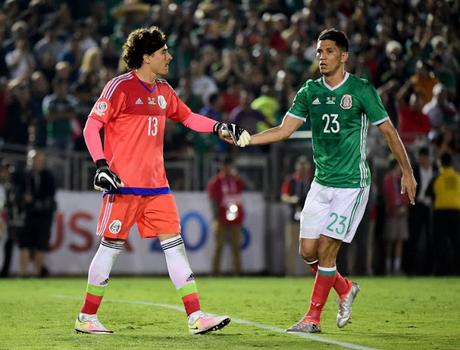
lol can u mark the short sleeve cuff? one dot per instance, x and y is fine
(380, 121)
(289, 114)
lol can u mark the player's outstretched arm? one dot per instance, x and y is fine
(277, 133)
(228, 132)
(408, 183)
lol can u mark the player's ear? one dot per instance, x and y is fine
(344, 57)
(146, 58)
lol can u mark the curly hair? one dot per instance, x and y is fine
(140, 42)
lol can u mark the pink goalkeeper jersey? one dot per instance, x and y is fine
(134, 115)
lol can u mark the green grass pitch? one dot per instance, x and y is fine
(389, 313)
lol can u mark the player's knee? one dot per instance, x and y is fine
(307, 253)
(327, 251)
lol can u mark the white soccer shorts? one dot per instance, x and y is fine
(333, 212)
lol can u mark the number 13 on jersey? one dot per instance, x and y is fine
(152, 128)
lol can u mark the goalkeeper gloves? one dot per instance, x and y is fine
(238, 135)
(105, 179)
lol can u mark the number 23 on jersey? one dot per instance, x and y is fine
(331, 123)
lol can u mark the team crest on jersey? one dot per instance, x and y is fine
(346, 102)
(161, 101)
(115, 226)
(100, 108)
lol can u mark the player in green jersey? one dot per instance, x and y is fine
(340, 107)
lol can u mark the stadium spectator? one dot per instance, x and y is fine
(49, 47)
(418, 249)
(20, 61)
(39, 208)
(19, 112)
(268, 106)
(13, 183)
(140, 102)
(225, 194)
(202, 84)
(40, 89)
(440, 110)
(396, 219)
(423, 81)
(445, 192)
(246, 116)
(294, 192)
(229, 68)
(296, 62)
(203, 143)
(412, 122)
(337, 199)
(59, 109)
(72, 55)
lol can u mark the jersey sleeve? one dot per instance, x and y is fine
(299, 107)
(177, 110)
(373, 105)
(110, 103)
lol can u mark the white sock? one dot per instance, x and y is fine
(176, 259)
(99, 270)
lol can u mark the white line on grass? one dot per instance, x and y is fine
(312, 337)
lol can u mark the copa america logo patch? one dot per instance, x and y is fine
(346, 102)
(101, 107)
(161, 101)
(115, 226)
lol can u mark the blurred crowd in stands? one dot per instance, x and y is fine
(238, 61)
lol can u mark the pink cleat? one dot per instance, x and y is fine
(90, 324)
(201, 323)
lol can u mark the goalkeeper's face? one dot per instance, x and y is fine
(159, 61)
(330, 57)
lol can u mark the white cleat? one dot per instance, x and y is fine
(203, 323)
(89, 324)
(344, 313)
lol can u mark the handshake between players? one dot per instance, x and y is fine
(232, 133)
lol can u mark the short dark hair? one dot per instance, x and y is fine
(446, 159)
(424, 151)
(143, 41)
(335, 35)
(227, 160)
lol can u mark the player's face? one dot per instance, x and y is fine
(159, 61)
(330, 57)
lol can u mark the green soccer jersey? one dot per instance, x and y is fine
(340, 118)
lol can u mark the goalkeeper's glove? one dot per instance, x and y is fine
(105, 179)
(238, 135)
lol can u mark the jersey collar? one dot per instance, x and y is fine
(337, 86)
(146, 85)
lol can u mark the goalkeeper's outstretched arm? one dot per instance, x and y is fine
(228, 132)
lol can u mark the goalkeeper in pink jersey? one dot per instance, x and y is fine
(132, 110)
